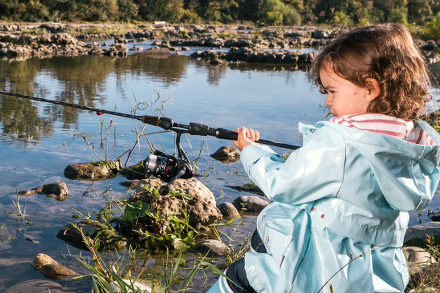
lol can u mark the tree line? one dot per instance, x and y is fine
(268, 12)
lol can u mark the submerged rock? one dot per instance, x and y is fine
(56, 190)
(226, 154)
(93, 170)
(50, 268)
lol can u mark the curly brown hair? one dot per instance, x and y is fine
(387, 53)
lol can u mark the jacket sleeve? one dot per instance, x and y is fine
(314, 171)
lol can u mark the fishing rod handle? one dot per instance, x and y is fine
(204, 130)
(163, 122)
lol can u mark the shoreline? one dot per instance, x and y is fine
(20, 41)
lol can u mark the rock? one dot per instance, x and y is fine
(136, 48)
(252, 204)
(108, 238)
(32, 285)
(226, 154)
(93, 170)
(417, 257)
(216, 61)
(200, 205)
(142, 287)
(248, 187)
(50, 268)
(56, 271)
(56, 190)
(157, 51)
(416, 235)
(215, 247)
(41, 260)
(228, 210)
(117, 49)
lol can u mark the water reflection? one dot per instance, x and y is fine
(83, 80)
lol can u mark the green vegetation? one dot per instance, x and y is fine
(272, 12)
(422, 279)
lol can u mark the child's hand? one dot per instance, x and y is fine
(245, 137)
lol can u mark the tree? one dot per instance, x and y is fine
(341, 19)
(128, 10)
(276, 12)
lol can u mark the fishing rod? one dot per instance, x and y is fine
(163, 122)
(167, 167)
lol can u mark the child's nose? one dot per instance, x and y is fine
(328, 101)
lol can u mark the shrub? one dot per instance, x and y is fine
(432, 28)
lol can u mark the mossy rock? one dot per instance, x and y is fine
(106, 238)
(93, 170)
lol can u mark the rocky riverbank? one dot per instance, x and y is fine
(251, 44)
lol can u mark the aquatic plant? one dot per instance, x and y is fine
(19, 212)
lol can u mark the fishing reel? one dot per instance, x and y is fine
(167, 167)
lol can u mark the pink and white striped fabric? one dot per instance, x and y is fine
(385, 124)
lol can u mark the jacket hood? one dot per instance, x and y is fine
(407, 173)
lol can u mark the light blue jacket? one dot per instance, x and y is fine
(340, 209)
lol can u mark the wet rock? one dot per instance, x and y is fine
(215, 247)
(416, 235)
(142, 287)
(108, 238)
(248, 187)
(56, 271)
(41, 260)
(93, 171)
(50, 268)
(228, 210)
(226, 154)
(199, 204)
(56, 190)
(252, 204)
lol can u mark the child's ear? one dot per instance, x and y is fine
(372, 87)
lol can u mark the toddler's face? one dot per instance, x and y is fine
(343, 96)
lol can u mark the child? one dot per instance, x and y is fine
(340, 203)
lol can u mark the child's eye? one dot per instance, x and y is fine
(323, 91)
